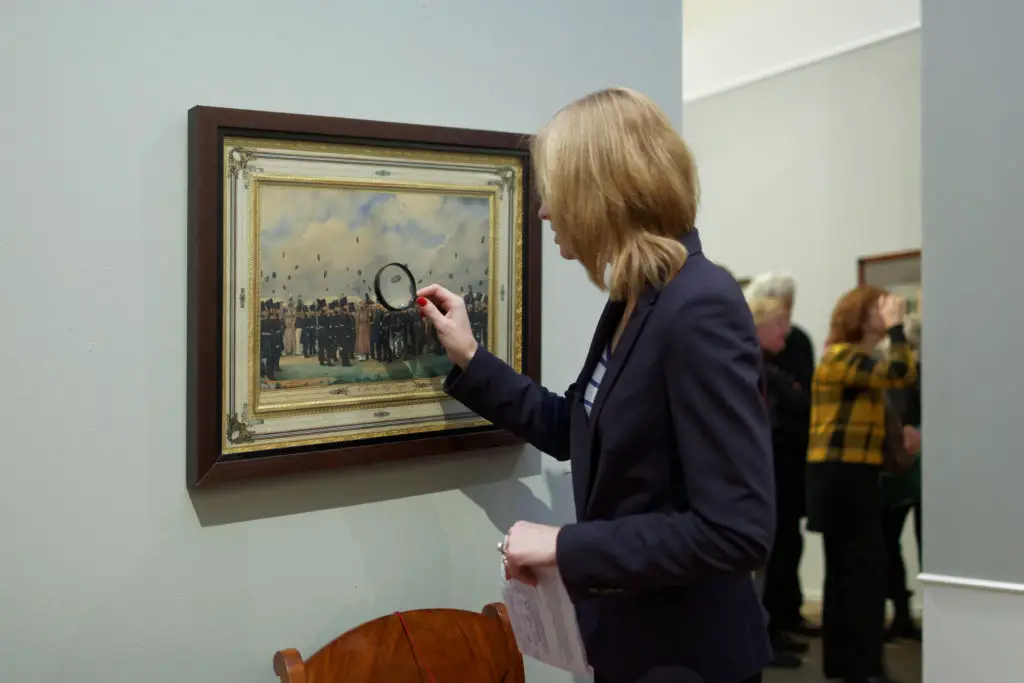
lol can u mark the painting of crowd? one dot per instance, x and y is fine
(320, 247)
(348, 332)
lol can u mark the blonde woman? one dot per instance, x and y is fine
(666, 426)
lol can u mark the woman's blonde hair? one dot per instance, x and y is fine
(621, 186)
(764, 308)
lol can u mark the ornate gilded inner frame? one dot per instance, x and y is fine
(306, 368)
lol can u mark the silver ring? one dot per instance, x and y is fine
(501, 547)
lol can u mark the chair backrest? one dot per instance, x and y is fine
(421, 646)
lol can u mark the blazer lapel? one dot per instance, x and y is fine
(582, 456)
(605, 327)
(620, 355)
(609, 320)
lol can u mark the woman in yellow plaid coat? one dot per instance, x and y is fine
(844, 463)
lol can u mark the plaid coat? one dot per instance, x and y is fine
(844, 459)
(848, 400)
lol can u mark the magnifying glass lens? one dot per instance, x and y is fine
(395, 287)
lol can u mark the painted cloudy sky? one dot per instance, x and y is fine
(356, 232)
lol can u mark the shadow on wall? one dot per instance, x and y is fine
(492, 480)
(364, 485)
(518, 502)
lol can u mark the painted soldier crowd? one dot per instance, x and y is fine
(349, 332)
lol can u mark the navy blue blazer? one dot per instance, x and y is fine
(672, 476)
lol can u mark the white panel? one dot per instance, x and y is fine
(974, 630)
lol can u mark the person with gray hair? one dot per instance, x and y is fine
(783, 596)
(773, 285)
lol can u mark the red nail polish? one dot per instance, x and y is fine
(421, 302)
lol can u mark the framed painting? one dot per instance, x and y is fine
(897, 272)
(293, 363)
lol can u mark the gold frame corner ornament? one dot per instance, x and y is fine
(239, 159)
(237, 430)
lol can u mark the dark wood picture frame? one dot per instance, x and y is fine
(893, 267)
(207, 128)
(865, 262)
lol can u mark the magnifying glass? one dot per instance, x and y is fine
(395, 287)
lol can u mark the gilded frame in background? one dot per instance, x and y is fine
(898, 272)
(292, 364)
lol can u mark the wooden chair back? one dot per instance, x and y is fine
(420, 646)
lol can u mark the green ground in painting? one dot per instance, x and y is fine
(297, 371)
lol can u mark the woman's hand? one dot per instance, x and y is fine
(529, 546)
(911, 440)
(892, 309)
(452, 325)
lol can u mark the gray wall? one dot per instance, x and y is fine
(111, 571)
(973, 151)
(809, 170)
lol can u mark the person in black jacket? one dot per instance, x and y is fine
(901, 497)
(788, 410)
(783, 597)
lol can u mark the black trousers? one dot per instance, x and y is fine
(853, 618)
(893, 521)
(783, 598)
(756, 678)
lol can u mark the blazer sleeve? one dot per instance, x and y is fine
(493, 390)
(712, 365)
